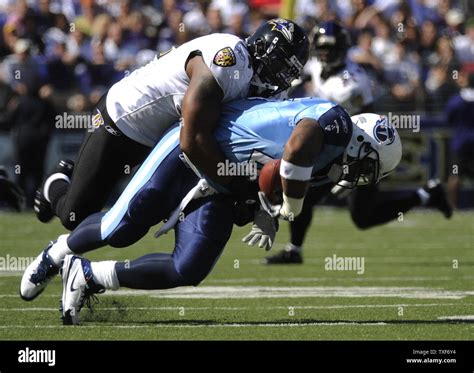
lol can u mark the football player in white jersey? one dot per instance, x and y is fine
(335, 78)
(189, 82)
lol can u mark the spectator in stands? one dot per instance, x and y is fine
(382, 44)
(363, 54)
(136, 37)
(195, 20)
(459, 115)
(439, 87)
(31, 118)
(45, 17)
(214, 19)
(20, 70)
(114, 49)
(427, 41)
(175, 32)
(402, 76)
(464, 44)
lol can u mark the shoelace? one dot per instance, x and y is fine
(43, 272)
(89, 298)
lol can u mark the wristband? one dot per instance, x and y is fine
(292, 172)
(291, 207)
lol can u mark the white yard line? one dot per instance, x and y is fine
(269, 308)
(339, 279)
(251, 292)
(457, 318)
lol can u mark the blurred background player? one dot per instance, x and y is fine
(334, 77)
(191, 81)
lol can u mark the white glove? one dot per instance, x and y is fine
(263, 231)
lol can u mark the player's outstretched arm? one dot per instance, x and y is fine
(201, 109)
(299, 155)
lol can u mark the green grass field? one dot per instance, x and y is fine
(418, 284)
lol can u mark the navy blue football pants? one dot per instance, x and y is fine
(154, 192)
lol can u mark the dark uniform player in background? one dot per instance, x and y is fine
(191, 81)
(336, 78)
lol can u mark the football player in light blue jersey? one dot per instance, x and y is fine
(256, 130)
(312, 137)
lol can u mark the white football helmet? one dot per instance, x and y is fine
(373, 152)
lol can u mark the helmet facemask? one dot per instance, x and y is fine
(365, 169)
(274, 72)
(279, 48)
(361, 170)
(372, 153)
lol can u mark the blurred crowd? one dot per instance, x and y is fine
(62, 55)
(69, 52)
(417, 52)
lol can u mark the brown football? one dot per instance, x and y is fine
(269, 181)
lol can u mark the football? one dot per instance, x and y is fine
(269, 181)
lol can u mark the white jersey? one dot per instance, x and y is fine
(349, 87)
(146, 103)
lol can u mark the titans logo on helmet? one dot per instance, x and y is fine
(383, 131)
(284, 27)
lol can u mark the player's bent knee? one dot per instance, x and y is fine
(192, 279)
(126, 235)
(144, 207)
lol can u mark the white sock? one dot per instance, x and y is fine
(105, 274)
(59, 250)
(50, 180)
(424, 196)
(291, 247)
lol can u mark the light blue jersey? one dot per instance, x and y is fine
(258, 129)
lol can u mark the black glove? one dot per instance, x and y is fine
(244, 192)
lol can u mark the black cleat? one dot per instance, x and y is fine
(438, 198)
(42, 207)
(285, 257)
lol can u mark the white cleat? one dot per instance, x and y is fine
(78, 287)
(37, 275)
